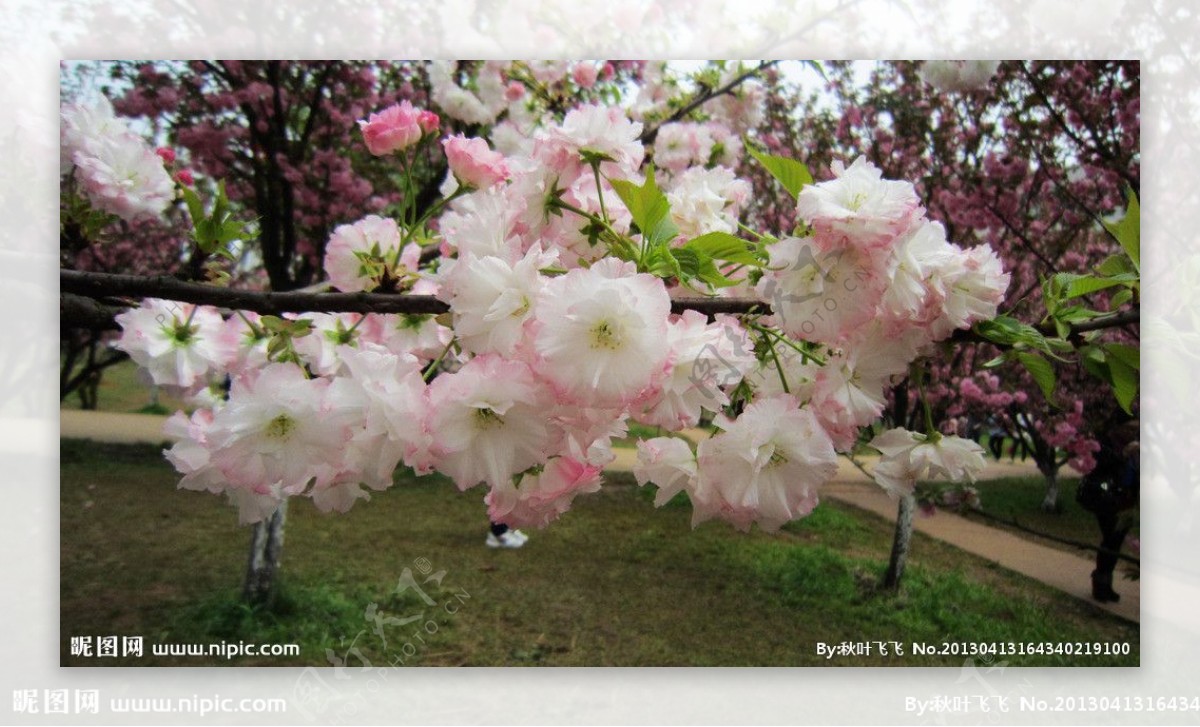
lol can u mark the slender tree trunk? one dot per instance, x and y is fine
(903, 537)
(266, 550)
(1050, 501)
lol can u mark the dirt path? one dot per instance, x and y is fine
(1057, 568)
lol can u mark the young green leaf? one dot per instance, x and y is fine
(1124, 382)
(1128, 229)
(1073, 286)
(723, 246)
(1042, 372)
(649, 208)
(791, 174)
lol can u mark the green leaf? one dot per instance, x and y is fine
(1006, 330)
(194, 205)
(1124, 382)
(649, 208)
(714, 277)
(1128, 230)
(1120, 298)
(1073, 286)
(1075, 314)
(688, 261)
(1041, 370)
(1116, 265)
(1129, 355)
(791, 174)
(723, 246)
(660, 262)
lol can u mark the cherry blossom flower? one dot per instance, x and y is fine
(473, 164)
(540, 498)
(487, 422)
(956, 76)
(819, 295)
(707, 200)
(601, 336)
(492, 300)
(85, 125)
(858, 208)
(178, 344)
(279, 432)
(669, 463)
(189, 454)
(367, 254)
(602, 130)
(908, 457)
(332, 333)
(705, 360)
(121, 174)
(765, 467)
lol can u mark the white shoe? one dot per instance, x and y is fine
(509, 539)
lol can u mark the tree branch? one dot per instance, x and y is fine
(107, 285)
(649, 135)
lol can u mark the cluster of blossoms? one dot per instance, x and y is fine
(561, 334)
(873, 286)
(115, 168)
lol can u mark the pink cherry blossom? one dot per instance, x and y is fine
(765, 467)
(909, 457)
(178, 344)
(279, 432)
(540, 498)
(858, 208)
(601, 333)
(473, 164)
(367, 254)
(669, 463)
(123, 175)
(705, 360)
(958, 75)
(492, 301)
(487, 422)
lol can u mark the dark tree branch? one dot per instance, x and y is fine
(107, 285)
(76, 311)
(709, 94)
(75, 283)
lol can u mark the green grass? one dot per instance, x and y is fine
(123, 390)
(614, 582)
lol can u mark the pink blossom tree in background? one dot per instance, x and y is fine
(607, 243)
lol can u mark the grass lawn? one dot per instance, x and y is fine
(614, 582)
(122, 390)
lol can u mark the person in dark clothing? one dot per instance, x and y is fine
(1110, 489)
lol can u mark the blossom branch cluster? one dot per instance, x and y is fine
(560, 250)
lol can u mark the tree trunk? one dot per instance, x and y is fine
(904, 531)
(1050, 501)
(266, 550)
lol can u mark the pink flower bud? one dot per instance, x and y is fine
(584, 75)
(395, 128)
(167, 155)
(184, 177)
(429, 122)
